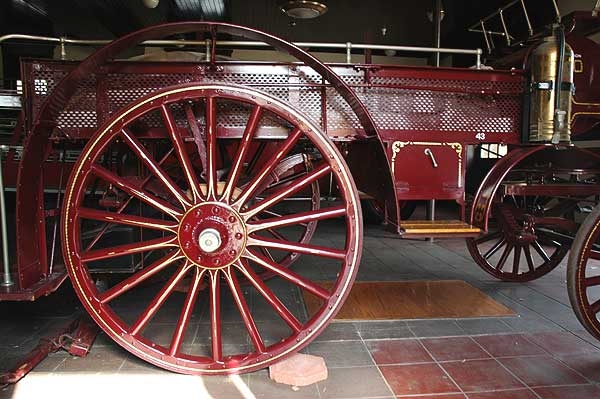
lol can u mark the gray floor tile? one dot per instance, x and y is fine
(261, 386)
(342, 353)
(383, 329)
(368, 384)
(435, 328)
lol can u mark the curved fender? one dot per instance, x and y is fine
(29, 182)
(480, 211)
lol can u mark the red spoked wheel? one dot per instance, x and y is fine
(201, 204)
(530, 234)
(583, 273)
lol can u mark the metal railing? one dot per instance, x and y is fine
(348, 46)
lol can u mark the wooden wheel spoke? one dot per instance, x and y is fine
(145, 156)
(215, 315)
(286, 191)
(591, 281)
(490, 252)
(186, 312)
(244, 310)
(277, 234)
(308, 216)
(125, 204)
(269, 296)
(290, 276)
(538, 248)
(211, 147)
(298, 247)
(595, 307)
(193, 124)
(130, 220)
(128, 249)
(139, 277)
(278, 215)
(488, 237)
(504, 256)
(529, 258)
(242, 151)
(137, 192)
(516, 260)
(284, 148)
(158, 300)
(181, 152)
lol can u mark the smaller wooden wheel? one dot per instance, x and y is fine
(583, 273)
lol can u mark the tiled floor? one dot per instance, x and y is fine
(542, 352)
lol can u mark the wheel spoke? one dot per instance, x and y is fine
(595, 307)
(139, 277)
(158, 300)
(181, 152)
(211, 147)
(494, 249)
(130, 220)
(594, 254)
(287, 191)
(504, 256)
(309, 216)
(270, 297)
(244, 310)
(488, 237)
(538, 248)
(591, 281)
(284, 148)
(125, 204)
(298, 247)
(516, 260)
(191, 117)
(530, 263)
(137, 192)
(186, 312)
(128, 249)
(241, 153)
(215, 315)
(142, 153)
(289, 275)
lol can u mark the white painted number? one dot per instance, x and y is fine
(480, 136)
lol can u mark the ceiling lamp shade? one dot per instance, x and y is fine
(303, 9)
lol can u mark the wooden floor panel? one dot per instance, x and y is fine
(391, 300)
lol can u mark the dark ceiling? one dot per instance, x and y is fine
(356, 21)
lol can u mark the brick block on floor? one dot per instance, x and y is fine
(299, 370)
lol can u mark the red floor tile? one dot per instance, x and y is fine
(414, 379)
(561, 343)
(456, 348)
(573, 392)
(586, 364)
(436, 396)
(508, 345)
(481, 375)
(542, 371)
(512, 394)
(398, 351)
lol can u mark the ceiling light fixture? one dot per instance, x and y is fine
(303, 9)
(150, 3)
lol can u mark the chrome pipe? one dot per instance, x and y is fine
(529, 28)
(504, 27)
(7, 279)
(348, 53)
(358, 46)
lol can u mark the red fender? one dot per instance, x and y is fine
(480, 211)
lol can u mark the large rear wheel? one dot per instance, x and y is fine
(195, 208)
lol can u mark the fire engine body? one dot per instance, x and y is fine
(175, 172)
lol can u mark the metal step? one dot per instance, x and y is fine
(437, 228)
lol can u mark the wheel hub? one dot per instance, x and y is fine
(212, 235)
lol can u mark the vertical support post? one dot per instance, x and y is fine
(437, 30)
(504, 27)
(348, 53)
(207, 50)
(529, 28)
(478, 62)
(6, 280)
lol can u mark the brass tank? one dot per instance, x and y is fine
(546, 123)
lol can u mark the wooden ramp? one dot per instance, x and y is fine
(392, 300)
(437, 228)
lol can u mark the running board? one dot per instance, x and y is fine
(437, 228)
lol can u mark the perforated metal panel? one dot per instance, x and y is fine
(396, 102)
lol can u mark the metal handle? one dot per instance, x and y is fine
(6, 279)
(430, 155)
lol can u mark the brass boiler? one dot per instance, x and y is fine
(545, 122)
